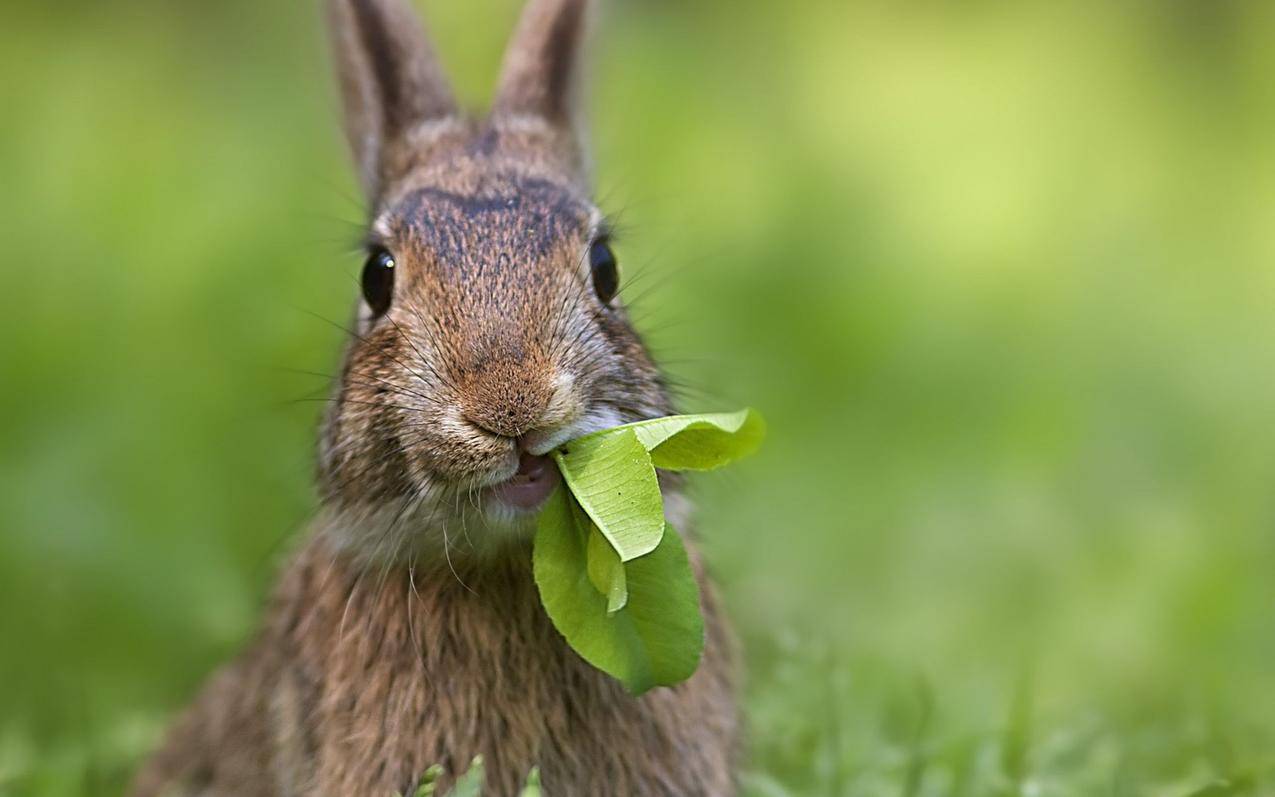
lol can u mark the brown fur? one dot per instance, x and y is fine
(357, 685)
(407, 631)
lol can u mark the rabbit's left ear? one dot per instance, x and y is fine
(540, 77)
(391, 81)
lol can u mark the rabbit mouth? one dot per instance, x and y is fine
(525, 491)
(531, 484)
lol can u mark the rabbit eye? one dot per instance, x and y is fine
(378, 281)
(606, 274)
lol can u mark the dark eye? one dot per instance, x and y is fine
(606, 274)
(378, 281)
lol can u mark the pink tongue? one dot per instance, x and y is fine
(531, 485)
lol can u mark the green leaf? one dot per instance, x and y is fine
(698, 442)
(613, 576)
(532, 789)
(606, 571)
(611, 476)
(429, 781)
(470, 784)
(656, 639)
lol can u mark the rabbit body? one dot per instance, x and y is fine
(357, 685)
(407, 630)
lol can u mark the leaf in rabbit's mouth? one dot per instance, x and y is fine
(613, 576)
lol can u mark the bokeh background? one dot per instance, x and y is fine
(999, 274)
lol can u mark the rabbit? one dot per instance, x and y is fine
(406, 630)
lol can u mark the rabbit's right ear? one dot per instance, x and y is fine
(390, 81)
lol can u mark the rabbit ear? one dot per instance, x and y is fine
(390, 79)
(540, 75)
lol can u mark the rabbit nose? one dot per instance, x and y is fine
(513, 415)
(506, 422)
(506, 401)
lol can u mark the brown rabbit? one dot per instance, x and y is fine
(408, 631)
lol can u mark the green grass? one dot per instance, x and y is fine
(998, 274)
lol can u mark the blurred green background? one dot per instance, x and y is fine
(999, 274)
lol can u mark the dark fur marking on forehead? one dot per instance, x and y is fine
(519, 218)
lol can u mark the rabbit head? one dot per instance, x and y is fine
(489, 330)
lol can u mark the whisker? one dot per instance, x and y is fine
(383, 384)
(381, 349)
(436, 340)
(340, 399)
(448, 556)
